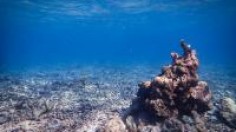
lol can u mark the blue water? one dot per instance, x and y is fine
(38, 32)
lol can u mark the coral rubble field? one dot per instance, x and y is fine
(108, 98)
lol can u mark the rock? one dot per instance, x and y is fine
(228, 105)
(187, 119)
(131, 124)
(199, 122)
(150, 128)
(172, 125)
(158, 107)
(54, 125)
(228, 111)
(115, 125)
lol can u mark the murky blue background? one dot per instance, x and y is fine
(38, 32)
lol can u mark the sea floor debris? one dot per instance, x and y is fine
(98, 98)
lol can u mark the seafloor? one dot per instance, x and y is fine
(83, 97)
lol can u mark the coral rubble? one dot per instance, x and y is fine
(176, 92)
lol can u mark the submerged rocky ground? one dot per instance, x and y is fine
(84, 98)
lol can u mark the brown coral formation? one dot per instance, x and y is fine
(177, 91)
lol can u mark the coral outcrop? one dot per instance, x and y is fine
(176, 92)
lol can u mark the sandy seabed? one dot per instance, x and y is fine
(83, 98)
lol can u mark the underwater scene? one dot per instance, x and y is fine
(117, 66)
